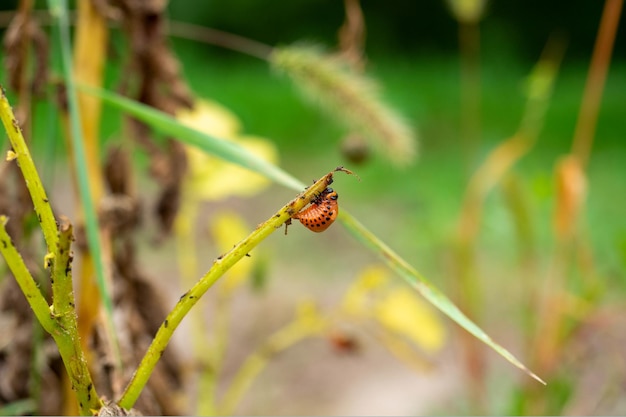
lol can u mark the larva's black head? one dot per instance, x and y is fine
(330, 193)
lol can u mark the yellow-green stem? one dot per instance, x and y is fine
(24, 279)
(288, 336)
(220, 266)
(27, 166)
(60, 324)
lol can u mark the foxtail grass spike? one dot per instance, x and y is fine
(350, 97)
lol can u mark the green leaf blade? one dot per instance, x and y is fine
(223, 149)
(426, 289)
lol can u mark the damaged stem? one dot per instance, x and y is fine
(220, 266)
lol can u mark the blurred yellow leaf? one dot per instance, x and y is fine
(399, 310)
(227, 229)
(212, 118)
(358, 297)
(211, 178)
(403, 312)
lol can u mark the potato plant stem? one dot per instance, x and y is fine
(27, 166)
(220, 266)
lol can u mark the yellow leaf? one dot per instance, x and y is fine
(227, 229)
(214, 179)
(212, 118)
(358, 297)
(210, 178)
(403, 312)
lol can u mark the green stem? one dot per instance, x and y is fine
(27, 166)
(220, 266)
(24, 279)
(60, 324)
(58, 9)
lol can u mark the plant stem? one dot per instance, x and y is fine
(590, 107)
(27, 166)
(220, 266)
(286, 337)
(60, 324)
(24, 279)
(58, 9)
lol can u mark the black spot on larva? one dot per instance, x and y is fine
(330, 213)
(328, 207)
(166, 323)
(328, 218)
(323, 222)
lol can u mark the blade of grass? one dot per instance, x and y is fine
(425, 288)
(168, 125)
(234, 153)
(23, 407)
(58, 9)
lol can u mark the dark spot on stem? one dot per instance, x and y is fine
(4, 244)
(248, 255)
(45, 200)
(166, 323)
(183, 296)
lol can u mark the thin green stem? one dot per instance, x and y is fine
(62, 327)
(27, 166)
(286, 337)
(58, 9)
(220, 266)
(24, 279)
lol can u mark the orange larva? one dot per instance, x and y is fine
(321, 213)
